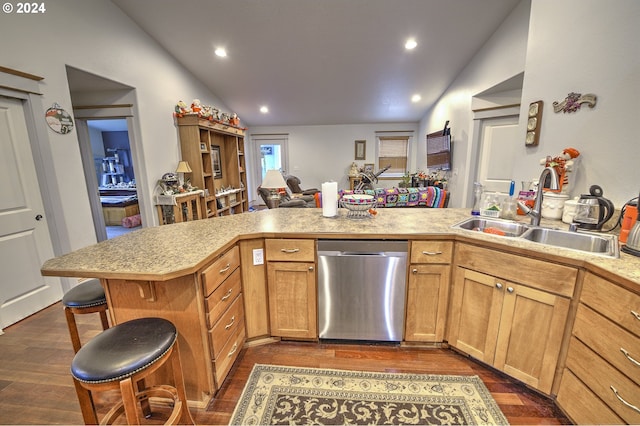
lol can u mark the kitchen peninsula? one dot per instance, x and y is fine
(203, 276)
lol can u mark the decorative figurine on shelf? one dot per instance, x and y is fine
(207, 112)
(182, 109)
(224, 117)
(234, 120)
(196, 106)
(563, 164)
(353, 172)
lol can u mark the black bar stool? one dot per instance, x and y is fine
(85, 298)
(121, 358)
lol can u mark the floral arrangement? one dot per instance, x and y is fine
(206, 112)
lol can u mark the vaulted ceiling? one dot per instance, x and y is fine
(315, 62)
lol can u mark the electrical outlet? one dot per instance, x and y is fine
(258, 256)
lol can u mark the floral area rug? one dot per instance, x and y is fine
(290, 395)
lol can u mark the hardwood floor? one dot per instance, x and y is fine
(35, 385)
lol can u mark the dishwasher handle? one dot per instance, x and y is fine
(362, 253)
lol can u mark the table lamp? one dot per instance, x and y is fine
(273, 181)
(183, 167)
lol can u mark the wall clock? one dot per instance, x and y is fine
(534, 122)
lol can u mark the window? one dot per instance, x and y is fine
(393, 151)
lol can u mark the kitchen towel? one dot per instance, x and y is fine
(329, 199)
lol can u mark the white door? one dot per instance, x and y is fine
(500, 138)
(24, 238)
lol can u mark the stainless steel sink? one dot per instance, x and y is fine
(606, 245)
(509, 228)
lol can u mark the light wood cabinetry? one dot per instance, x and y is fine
(428, 291)
(254, 284)
(221, 284)
(216, 155)
(603, 361)
(291, 278)
(510, 312)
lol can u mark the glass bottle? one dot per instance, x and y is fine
(477, 197)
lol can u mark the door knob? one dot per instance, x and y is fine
(39, 217)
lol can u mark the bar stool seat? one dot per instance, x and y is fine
(85, 298)
(121, 358)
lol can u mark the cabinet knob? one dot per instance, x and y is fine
(499, 286)
(310, 268)
(510, 289)
(415, 271)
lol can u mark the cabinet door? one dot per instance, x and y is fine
(254, 289)
(530, 335)
(427, 296)
(475, 313)
(292, 299)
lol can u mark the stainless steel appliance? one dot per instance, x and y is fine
(633, 240)
(593, 210)
(361, 289)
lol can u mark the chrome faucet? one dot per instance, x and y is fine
(536, 211)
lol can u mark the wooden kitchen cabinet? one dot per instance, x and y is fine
(292, 287)
(603, 361)
(428, 291)
(222, 288)
(502, 319)
(254, 289)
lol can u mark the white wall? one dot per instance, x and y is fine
(500, 59)
(96, 37)
(324, 153)
(586, 46)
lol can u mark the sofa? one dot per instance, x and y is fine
(430, 196)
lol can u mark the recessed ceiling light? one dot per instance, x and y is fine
(264, 109)
(410, 44)
(416, 98)
(220, 51)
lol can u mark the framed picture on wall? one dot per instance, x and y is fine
(216, 162)
(361, 150)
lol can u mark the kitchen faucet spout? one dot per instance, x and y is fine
(536, 211)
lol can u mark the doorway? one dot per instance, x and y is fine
(115, 175)
(25, 238)
(271, 150)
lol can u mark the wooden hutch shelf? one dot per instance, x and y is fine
(215, 153)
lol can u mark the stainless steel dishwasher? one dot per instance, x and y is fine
(361, 289)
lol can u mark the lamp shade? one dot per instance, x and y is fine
(183, 167)
(273, 179)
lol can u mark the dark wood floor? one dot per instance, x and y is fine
(35, 385)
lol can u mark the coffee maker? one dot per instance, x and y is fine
(593, 210)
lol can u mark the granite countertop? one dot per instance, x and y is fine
(165, 252)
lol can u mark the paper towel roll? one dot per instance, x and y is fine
(329, 199)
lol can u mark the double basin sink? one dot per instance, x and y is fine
(603, 245)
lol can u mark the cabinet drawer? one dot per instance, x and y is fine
(535, 273)
(608, 340)
(220, 270)
(222, 297)
(226, 326)
(431, 251)
(290, 250)
(582, 405)
(228, 355)
(600, 376)
(616, 303)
